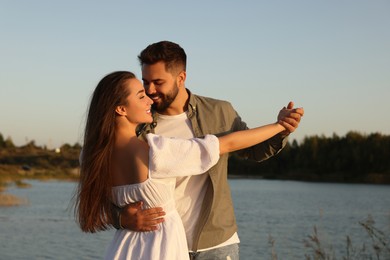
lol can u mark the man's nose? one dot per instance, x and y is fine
(150, 88)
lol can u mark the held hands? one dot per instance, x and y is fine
(290, 118)
(134, 218)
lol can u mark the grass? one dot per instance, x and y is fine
(317, 249)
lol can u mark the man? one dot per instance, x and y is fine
(203, 201)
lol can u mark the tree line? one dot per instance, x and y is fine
(354, 157)
(30, 155)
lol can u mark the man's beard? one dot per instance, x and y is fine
(166, 100)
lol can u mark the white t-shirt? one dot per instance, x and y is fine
(190, 190)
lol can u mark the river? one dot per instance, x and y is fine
(286, 211)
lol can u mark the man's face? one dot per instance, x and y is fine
(160, 85)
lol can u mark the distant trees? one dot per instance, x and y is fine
(35, 156)
(6, 143)
(352, 158)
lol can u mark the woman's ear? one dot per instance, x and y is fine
(121, 110)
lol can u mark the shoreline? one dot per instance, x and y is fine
(9, 200)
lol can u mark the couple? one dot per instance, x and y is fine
(118, 167)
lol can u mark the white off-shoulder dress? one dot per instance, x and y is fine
(168, 158)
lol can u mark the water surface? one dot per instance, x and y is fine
(285, 210)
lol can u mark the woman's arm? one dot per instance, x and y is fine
(246, 138)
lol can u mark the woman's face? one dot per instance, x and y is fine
(138, 103)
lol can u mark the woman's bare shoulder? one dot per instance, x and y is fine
(132, 164)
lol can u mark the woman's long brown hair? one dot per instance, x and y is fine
(93, 196)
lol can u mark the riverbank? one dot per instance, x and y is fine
(20, 172)
(9, 200)
(15, 175)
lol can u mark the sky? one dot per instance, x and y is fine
(330, 57)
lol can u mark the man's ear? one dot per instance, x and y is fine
(121, 110)
(181, 78)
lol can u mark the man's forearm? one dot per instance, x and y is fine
(264, 150)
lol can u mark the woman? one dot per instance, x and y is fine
(117, 167)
